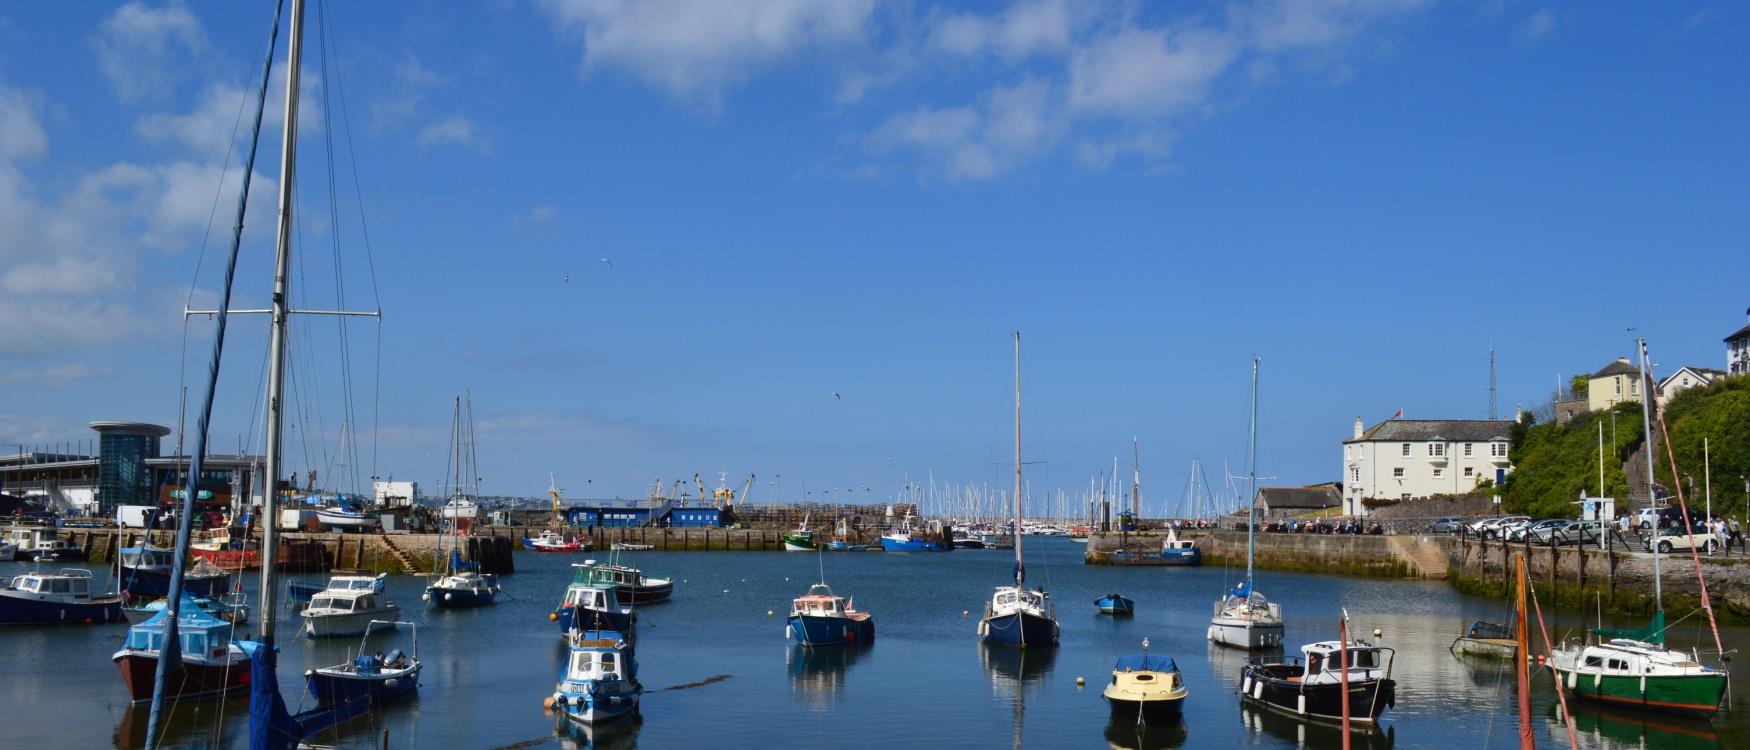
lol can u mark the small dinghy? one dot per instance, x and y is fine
(1145, 688)
(380, 677)
(1115, 604)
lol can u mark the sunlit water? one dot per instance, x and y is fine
(925, 680)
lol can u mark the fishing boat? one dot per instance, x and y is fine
(592, 606)
(376, 677)
(1486, 639)
(1115, 604)
(599, 683)
(1243, 618)
(840, 541)
(1313, 687)
(232, 608)
(1145, 688)
(302, 591)
(144, 573)
(63, 597)
(966, 540)
(465, 586)
(1632, 667)
(630, 584)
(57, 550)
(555, 541)
(801, 538)
(26, 539)
(345, 613)
(1017, 615)
(822, 618)
(211, 664)
(227, 550)
(1176, 551)
(906, 538)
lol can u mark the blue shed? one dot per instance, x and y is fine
(691, 518)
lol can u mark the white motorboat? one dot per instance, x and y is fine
(346, 612)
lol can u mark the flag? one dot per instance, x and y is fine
(1399, 414)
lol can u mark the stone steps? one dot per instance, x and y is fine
(1426, 555)
(401, 556)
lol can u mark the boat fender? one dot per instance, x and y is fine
(391, 682)
(448, 597)
(1246, 685)
(1080, 681)
(552, 616)
(1302, 705)
(425, 597)
(309, 673)
(1258, 690)
(768, 613)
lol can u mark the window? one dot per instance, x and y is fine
(1439, 472)
(1467, 447)
(1634, 387)
(1437, 450)
(1616, 664)
(1469, 472)
(1406, 450)
(1354, 475)
(1593, 661)
(1398, 473)
(1497, 450)
(1618, 382)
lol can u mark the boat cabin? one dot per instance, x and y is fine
(1010, 598)
(820, 602)
(1324, 662)
(30, 538)
(353, 583)
(345, 601)
(595, 663)
(202, 635)
(67, 585)
(1632, 657)
(596, 598)
(147, 558)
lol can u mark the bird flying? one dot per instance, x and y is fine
(609, 262)
(835, 394)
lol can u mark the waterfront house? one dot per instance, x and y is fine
(1294, 501)
(1617, 382)
(1738, 350)
(1685, 378)
(1404, 459)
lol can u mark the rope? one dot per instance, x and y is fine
(1694, 554)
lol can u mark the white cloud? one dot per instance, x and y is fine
(455, 130)
(542, 213)
(140, 49)
(1010, 124)
(1535, 27)
(1148, 72)
(21, 129)
(696, 49)
(54, 376)
(223, 111)
(1025, 28)
(412, 82)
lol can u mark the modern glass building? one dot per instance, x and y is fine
(123, 477)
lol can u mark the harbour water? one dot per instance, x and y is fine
(719, 673)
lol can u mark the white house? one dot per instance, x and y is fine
(1738, 350)
(1411, 458)
(1684, 379)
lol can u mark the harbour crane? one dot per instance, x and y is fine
(745, 489)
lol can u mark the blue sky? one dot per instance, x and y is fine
(799, 198)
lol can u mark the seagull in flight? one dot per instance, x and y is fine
(567, 278)
(609, 262)
(835, 394)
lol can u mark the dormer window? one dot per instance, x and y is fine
(1437, 450)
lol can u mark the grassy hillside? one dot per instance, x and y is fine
(1552, 465)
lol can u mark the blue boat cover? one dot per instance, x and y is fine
(1145, 663)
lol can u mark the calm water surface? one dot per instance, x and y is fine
(925, 680)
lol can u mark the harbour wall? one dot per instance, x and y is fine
(1386, 556)
(1615, 579)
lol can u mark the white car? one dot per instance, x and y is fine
(1673, 538)
(1497, 528)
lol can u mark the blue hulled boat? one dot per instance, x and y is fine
(600, 680)
(465, 586)
(907, 539)
(145, 574)
(378, 677)
(1016, 615)
(821, 618)
(1176, 551)
(592, 606)
(1115, 604)
(56, 599)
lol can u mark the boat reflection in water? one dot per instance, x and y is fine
(193, 726)
(1312, 734)
(619, 735)
(1122, 734)
(1603, 729)
(1014, 672)
(817, 675)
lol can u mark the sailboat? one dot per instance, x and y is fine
(1243, 617)
(1632, 667)
(463, 585)
(1017, 615)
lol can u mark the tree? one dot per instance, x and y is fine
(1580, 385)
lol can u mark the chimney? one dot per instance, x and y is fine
(1358, 428)
(1518, 412)
(1623, 360)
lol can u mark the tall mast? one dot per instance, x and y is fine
(1647, 429)
(1252, 479)
(1135, 480)
(276, 367)
(1020, 574)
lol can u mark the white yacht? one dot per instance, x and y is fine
(346, 612)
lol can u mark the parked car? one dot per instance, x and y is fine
(1537, 531)
(1497, 528)
(1578, 532)
(1448, 525)
(1674, 538)
(1651, 518)
(1477, 526)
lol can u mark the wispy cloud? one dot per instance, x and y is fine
(455, 130)
(1535, 27)
(142, 50)
(54, 376)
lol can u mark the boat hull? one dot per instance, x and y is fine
(1158, 709)
(645, 593)
(230, 559)
(1019, 629)
(535, 545)
(331, 686)
(459, 598)
(1249, 635)
(1182, 557)
(58, 555)
(909, 545)
(800, 543)
(583, 618)
(24, 611)
(1689, 695)
(193, 680)
(1487, 648)
(1115, 605)
(1367, 698)
(151, 584)
(597, 709)
(810, 631)
(347, 625)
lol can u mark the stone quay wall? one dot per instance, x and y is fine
(1616, 579)
(1389, 556)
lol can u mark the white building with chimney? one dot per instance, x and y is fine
(1405, 459)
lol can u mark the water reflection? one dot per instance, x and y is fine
(818, 674)
(1604, 729)
(194, 725)
(1125, 734)
(1013, 671)
(620, 735)
(1312, 734)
